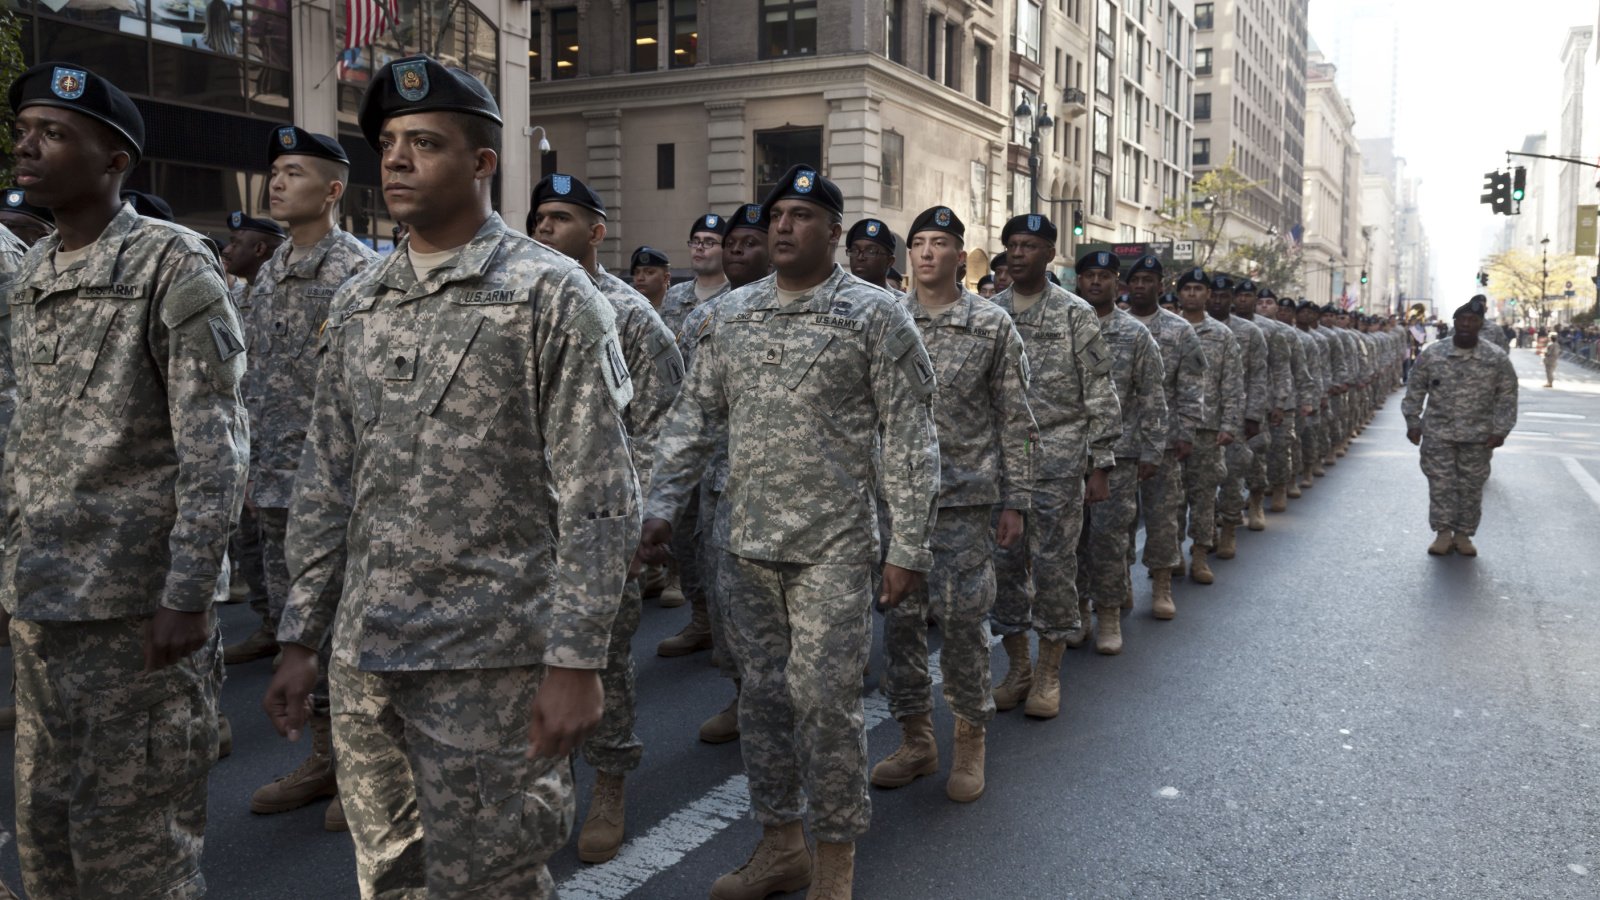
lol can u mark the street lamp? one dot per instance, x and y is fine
(544, 142)
(1036, 127)
(1544, 285)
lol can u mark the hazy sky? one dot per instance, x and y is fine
(1475, 77)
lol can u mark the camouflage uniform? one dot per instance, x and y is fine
(1161, 499)
(1224, 411)
(984, 426)
(1459, 399)
(1138, 377)
(244, 548)
(12, 250)
(800, 390)
(1079, 421)
(288, 310)
(1284, 455)
(1316, 443)
(656, 369)
(1239, 457)
(467, 468)
(1272, 467)
(128, 393)
(1341, 372)
(680, 300)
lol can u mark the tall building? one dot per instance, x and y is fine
(1578, 136)
(1249, 107)
(1378, 223)
(1414, 283)
(670, 108)
(1541, 206)
(1334, 249)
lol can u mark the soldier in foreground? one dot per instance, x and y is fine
(467, 458)
(1461, 403)
(801, 370)
(128, 356)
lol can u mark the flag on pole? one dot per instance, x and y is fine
(366, 20)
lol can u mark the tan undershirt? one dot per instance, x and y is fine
(1023, 302)
(424, 263)
(66, 259)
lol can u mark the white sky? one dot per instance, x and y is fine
(1475, 77)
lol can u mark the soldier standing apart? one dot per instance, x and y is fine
(1078, 421)
(1461, 403)
(869, 246)
(1224, 413)
(287, 332)
(1161, 498)
(651, 273)
(1239, 456)
(128, 356)
(802, 370)
(569, 217)
(468, 467)
(984, 427)
(1552, 355)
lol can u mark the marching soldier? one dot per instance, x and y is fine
(869, 246)
(1223, 417)
(128, 358)
(705, 259)
(1552, 355)
(1283, 469)
(1279, 423)
(1239, 457)
(468, 466)
(803, 369)
(1461, 403)
(1308, 318)
(12, 250)
(651, 273)
(251, 242)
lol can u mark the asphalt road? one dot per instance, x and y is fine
(1340, 715)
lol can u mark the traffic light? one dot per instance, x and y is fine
(1497, 192)
(1483, 279)
(1519, 183)
(1363, 276)
(1077, 222)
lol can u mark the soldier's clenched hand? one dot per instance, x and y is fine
(1009, 528)
(1414, 435)
(288, 697)
(897, 583)
(654, 540)
(565, 710)
(173, 635)
(1097, 489)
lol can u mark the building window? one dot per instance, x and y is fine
(1202, 107)
(646, 28)
(981, 62)
(788, 28)
(1107, 19)
(564, 42)
(1100, 195)
(1102, 75)
(893, 30)
(1102, 132)
(779, 149)
(1020, 200)
(931, 57)
(1028, 28)
(685, 35)
(1202, 61)
(980, 193)
(666, 166)
(536, 48)
(1203, 14)
(952, 47)
(891, 176)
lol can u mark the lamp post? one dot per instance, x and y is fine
(1036, 127)
(1544, 284)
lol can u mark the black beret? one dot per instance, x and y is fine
(1196, 275)
(938, 218)
(871, 230)
(238, 221)
(1247, 287)
(893, 273)
(558, 188)
(999, 262)
(1097, 259)
(649, 256)
(1168, 299)
(16, 201)
(803, 182)
(73, 87)
(1477, 306)
(750, 215)
(987, 279)
(1146, 263)
(421, 84)
(1221, 282)
(1265, 293)
(1329, 309)
(288, 140)
(709, 222)
(148, 205)
(1029, 223)
(1286, 303)
(1305, 304)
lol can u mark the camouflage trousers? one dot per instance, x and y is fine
(801, 633)
(1338, 420)
(1282, 451)
(712, 540)
(1238, 458)
(244, 550)
(111, 761)
(442, 799)
(1103, 540)
(1202, 472)
(1037, 578)
(1262, 448)
(1161, 502)
(1457, 472)
(1314, 441)
(960, 592)
(686, 553)
(614, 747)
(273, 527)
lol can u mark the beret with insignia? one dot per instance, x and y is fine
(804, 182)
(1146, 263)
(238, 221)
(148, 205)
(938, 218)
(1286, 303)
(750, 215)
(560, 188)
(1196, 275)
(417, 84)
(1221, 282)
(14, 200)
(1305, 304)
(871, 230)
(288, 140)
(1029, 223)
(999, 262)
(70, 86)
(710, 222)
(1477, 306)
(1098, 260)
(1168, 299)
(1265, 293)
(1246, 287)
(649, 256)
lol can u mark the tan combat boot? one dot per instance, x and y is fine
(1108, 633)
(652, 581)
(1199, 569)
(601, 836)
(259, 645)
(966, 773)
(1076, 639)
(724, 726)
(1442, 544)
(1341, 450)
(1045, 700)
(781, 863)
(311, 782)
(1293, 491)
(1161, 605)
(1256, 517)
(917, 755)
(1013, 689)
(333, 817)
(1318, 470)
(694, 637)
(671, 596)
(835, 875)
(1463, 544)
(1227, 542)
(1280, 499)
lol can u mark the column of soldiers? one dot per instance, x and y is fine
(462, 462)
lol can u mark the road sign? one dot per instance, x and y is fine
(1183, 251)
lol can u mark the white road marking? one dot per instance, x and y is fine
(1584, 479)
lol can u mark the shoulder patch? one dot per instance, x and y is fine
(191, 296)
(592, 317)
(228, 344)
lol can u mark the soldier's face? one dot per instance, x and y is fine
(64, 156)
(27, 229)
(1286, 315)
(1220, 304)
(431, 172)
(869, 261)
(1192, 297)
(1468, 326)
(986, 290)
(935, 257)
(744, 256)
(1244, 304)
(1267, 307)
(243, 254)
(568, 229)
(705, 252)
(1098, 286)
(1143, 288)
(299, 189)
(1002, 279)
(1027, 258)
(651, 281)
(802, 238)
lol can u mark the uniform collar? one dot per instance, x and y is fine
(471, 261)
(821, 296)
(99, 268)
(308, 265)
(959, 315)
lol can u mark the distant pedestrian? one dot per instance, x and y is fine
(1552, 355)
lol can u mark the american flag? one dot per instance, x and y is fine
(365, 20)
